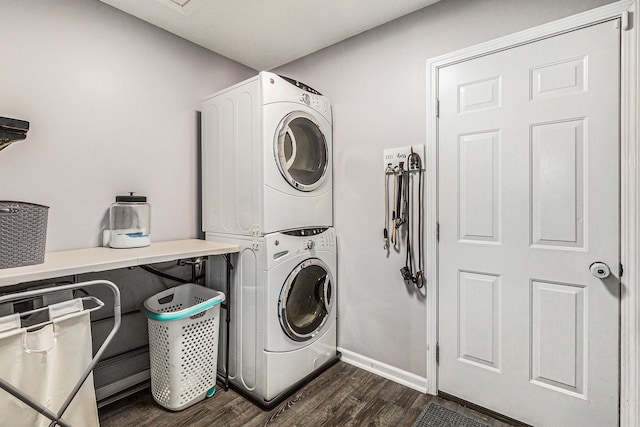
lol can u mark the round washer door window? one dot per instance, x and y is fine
(305, 300)
(301, 151)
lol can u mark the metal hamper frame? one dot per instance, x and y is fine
(56, 418)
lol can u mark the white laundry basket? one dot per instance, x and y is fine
(183, 344)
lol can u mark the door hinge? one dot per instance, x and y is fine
(437, 108)
(255, 233)
(626, 22)
(437, 231)
(437, 354)
(621, 271)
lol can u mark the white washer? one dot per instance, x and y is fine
(266, 158)
(283, 317)
(300, 288)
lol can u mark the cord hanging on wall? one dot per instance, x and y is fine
(403, 167)
(12, 130)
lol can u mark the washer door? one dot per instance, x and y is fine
(305, 300)
(301, 151)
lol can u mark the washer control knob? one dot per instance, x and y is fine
(600, 270)
(310, 244)
(305, 98)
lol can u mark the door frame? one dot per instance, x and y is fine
(627, 10)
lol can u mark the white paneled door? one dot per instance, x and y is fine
(528, 200)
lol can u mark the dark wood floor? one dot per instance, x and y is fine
(341, 396)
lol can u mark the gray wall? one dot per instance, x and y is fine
(377, 84)
(113, 105)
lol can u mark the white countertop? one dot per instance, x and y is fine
(78, 261)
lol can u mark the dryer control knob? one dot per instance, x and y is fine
(310, 244)
(305, 98)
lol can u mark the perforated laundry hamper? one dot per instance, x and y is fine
(183, 344)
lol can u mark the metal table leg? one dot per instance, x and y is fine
(228, 310)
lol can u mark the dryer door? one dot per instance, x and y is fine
(301, 151)
(306, 300)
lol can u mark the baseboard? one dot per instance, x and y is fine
(389, 372)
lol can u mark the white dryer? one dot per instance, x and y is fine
(266, 158)
(283, 316)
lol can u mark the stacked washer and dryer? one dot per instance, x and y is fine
(267, 187)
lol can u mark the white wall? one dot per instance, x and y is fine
(112, 103)
(377, 84)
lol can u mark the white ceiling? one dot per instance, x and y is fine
(264, 34)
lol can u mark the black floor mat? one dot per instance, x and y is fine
(435, 415)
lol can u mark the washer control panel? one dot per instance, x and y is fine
(305, 239)
(325, 240)
(310, 242)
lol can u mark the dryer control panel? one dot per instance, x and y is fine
(316, 102)
(276, 88)
(300, 85)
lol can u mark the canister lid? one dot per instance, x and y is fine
(131, 199)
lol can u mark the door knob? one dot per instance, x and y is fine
(600, 270)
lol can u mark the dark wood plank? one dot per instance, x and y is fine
(342, 396)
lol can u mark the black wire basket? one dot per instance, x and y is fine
(23, 233)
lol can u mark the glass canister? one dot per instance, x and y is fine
(130, 222)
